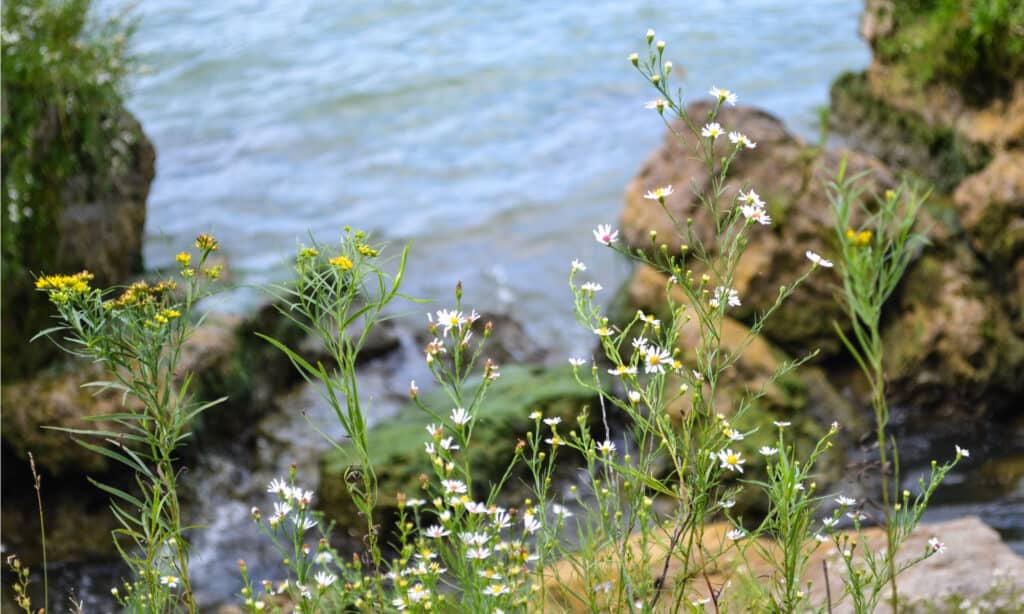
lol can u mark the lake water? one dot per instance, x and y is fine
(494, 135)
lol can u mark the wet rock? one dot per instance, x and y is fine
(975, 556)
(399, 460)
(790, 176)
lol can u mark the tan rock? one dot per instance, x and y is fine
(991, 208)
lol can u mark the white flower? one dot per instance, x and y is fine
(855, 516)
(736, 534)
(474, 539)
(324, 579)
(751, 198)
(606, 447)
(413, 388)
(436, 531)
(936, 546)
(732, 434)
(530, 523)
(604, 331)
(830, 522)
(622, 370)
(577, 362)
(560, 510)
(279, 487)
(591, 287)
(766, 451)
(578, 266)
(478, 554)
(729, 295)
(845, 501)
(448, 444)
(552, 421)
(415, 502)
(731, 460)
(818, 260)
(501, 519)
(399, 603)
(434, 430)
(493, 590)
(475, 507)
(821, 538)
(649, 319)
(460, 416)
(605, 235)
(450, 319)
(723, 95)
(429, 445)
(728, 503)
(170, 581)
(962, 452)
(757, 214)
(634, 396)
(453, 487)
(657, 103)
(781, 423)
(535, 415)
(712, 130)
(418, 593)
(281, 509)
(656, 359)
(323, 558)
(740, 139)
(304, 522)
(659, 193)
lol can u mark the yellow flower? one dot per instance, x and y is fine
(860, 239)
(341, 262)
(366, 250)
(77, 283)
(170, 314)
(184, 259)
(207, 243)
(214, 271)
(308, 252)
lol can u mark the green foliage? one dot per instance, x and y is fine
(975, 45)
(63, 80)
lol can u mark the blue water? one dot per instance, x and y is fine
(492, 134)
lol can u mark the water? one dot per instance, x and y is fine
(494, 135)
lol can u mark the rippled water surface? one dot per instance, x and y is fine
(492, 134)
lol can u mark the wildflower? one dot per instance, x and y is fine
(478, 554)
(602, 332)
(729, 295)
(830, 522)
(530, 523)
(436, 531)
(766, 451)
(604, 586)
(278, 487)
(494, 590)
(818, 260)
(577, 362)
(560, 510)
(578, 266)
(184, 259)
(756, 214)
(731, 460)
(821, 538)
(399, 603)
(501, 519)
(845, 501)
(605, 235)
(712, 130)
(367, 251)
(342, 262)
(855, 516)
(859, 239)
(304, 523)
(727, 504)
(418, 593)
(606, 447)
(622, 370)
(554, 440)
(736, 534)
(207, 243)
(552, 421)
(659, 193)
(323, 558)
(591, 287)
(732, 434)
(649, 319)
(962, 452)
(634, 396)
(535, 415)
(307, 253)
(450, 319)
(170, 581)
(324, 579)
(656, 359)
(448, 443)
(454, 487)
(750, 198)
(740, 140)
(657, 103)
(460, 416)
(723, 95)
(936, 546)
(781, 423)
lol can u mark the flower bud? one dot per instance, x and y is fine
(650, 36)
(634, 59)
(661, 45)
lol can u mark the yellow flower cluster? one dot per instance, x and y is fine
(341, 262)
(367, 251)
(166, 316)
(141, 293)
(207, 243)
(307, 253)
(77, 283)
(184, 259)
(860, 239)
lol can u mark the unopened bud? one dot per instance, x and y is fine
(650, 36)
(661, 45)
(668, 68)
(634, 59)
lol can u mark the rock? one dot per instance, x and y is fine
(790, 176)
(950, 346)
(96, 226)
(975, 555)
(991, 208)
(398, 457)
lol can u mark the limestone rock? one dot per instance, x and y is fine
(991, 208)
(790, 176)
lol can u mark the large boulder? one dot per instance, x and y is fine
(991, 208)
(791, 177)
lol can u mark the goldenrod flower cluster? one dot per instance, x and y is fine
(367, 251)
(342, 262)
(207, 243)
(860, 239)
(77, 283)
(141, 293)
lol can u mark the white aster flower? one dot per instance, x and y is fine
(399, 604)
(279, 487)
(170, 581)
(659, 193)
(303, 522)
(418, 593)
(818, 260)
(604, 331)
(475, 507)
(830, 522)
(460, 416)
(728, 503)
(935, 546)
(415, 502)
(501, 519)
(530, 523)
(741, 140)
(845, 501)
(494, 590)
(712, 130)
(622, 370)
(730, 296)
(855, 516)
(560, 511)
(323, 558)
(606, 447)
(756, 214)
(577, 362)
(454, 487)
(634, 396)
(723, 95)
(324, 579)
(656, 359)
(766, 451)
(657, 103)
(821, 538)
(591, 286)
(535, 415)
(478, 554)
(736, 534)
(781, 423)
(962, 452)
(578, 266)
(751, 198)
(552, 421)
(731, 460)
(436, 531)
(605, 235)
(448, 444)
(450, 319)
